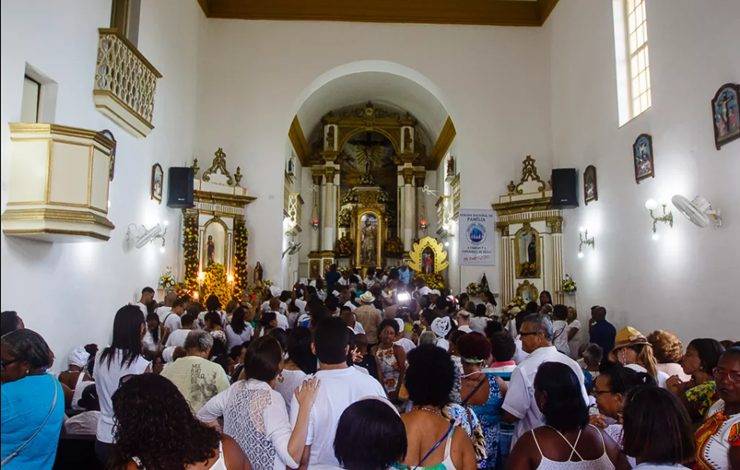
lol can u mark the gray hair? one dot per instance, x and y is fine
(200, 340)
(427, 337)
(543, 322)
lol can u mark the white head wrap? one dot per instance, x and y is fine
(400, 324)
(441, 326)
(78, 357)
(275, 291)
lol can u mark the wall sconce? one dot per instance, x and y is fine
(667, 217)
(584, 240)
(140, 236)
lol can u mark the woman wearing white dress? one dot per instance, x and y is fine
(255, 415)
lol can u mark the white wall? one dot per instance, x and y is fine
(70, 292)
(493, 82)
(686, 281)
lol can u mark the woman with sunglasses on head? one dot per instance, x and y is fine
(32, 402)
(610, 390)
(718, 438)
(632, 349)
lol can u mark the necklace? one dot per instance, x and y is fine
(430, 409)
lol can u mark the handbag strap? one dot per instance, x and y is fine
(438, 443)
(23, 445)
(472, 392)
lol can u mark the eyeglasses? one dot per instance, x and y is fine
(720, 374)
(524, 333)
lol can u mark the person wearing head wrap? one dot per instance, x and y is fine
(441, 327)
(75, 377)
(402, 341)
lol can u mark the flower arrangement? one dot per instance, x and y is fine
(568, 285)
(216, 282)
(473, 289)
(516, 305)
(432, 280)
(167, 280)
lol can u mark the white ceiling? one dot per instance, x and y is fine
(378, 87)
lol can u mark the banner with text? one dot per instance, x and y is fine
(477, 237)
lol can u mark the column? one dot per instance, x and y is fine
(409, 208)
(315, 235)
(329, 212)
(419, 177)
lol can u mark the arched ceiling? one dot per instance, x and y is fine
(382, 88)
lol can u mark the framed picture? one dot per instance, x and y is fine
(726, 114)
(157, 182)
(590, 190)
(642, 153)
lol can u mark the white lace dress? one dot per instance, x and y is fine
(256, 418)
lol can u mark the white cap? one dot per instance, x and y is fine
(275, 291)
(78, 357)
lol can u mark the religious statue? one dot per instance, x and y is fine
(330, 138)
(257, 275)
(368, 243)
(409, 139)
(427, 261)
(210, 251)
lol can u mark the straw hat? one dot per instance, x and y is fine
(629, 336)
(367, 297)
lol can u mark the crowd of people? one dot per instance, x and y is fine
(368, 371)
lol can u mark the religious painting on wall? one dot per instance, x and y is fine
(726, 114)
(157, 182)
(590, 190)
(528, 292)
(642, 154)
(368, 239)
(214, 243)
(527, 252)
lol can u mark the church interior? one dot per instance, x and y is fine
(225, 146)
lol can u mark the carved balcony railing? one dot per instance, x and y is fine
(125, 83)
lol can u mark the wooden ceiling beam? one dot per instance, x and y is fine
(298, 139)
(473, 12)
(444, 140)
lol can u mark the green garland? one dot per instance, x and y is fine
(241, 240)
(190, 250)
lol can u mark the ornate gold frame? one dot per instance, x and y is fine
(527, 286)
(227, 243)
(379, 215)
(526, 227)
(440, 254)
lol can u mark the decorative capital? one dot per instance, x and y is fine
(503, 228)
(555, 224)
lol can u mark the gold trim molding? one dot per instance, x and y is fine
(298, 139)
(444, 140)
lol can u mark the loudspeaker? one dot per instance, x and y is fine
(564, 187)
(180, 189)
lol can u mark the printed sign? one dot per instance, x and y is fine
(477, 237)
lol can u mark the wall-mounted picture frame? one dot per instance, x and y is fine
(590, 188)
(157, 182)
(726, 114)
(642, 155)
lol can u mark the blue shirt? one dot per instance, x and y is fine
(602, 333)
(404, 276)
(25, 404)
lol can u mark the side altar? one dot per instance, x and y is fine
(215, 236)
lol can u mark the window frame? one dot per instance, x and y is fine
(630, 55)
(38, 95)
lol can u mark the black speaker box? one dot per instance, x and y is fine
(564, 188)
(180, 188)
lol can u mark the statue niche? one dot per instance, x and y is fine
(527, 247)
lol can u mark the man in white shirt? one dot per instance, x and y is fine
(172, 320)
(147, 296)
(519, 405)
(280, 306)
(165, 309)
(177, 337)
(340, 386)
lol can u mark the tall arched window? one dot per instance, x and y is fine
(633, 63)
